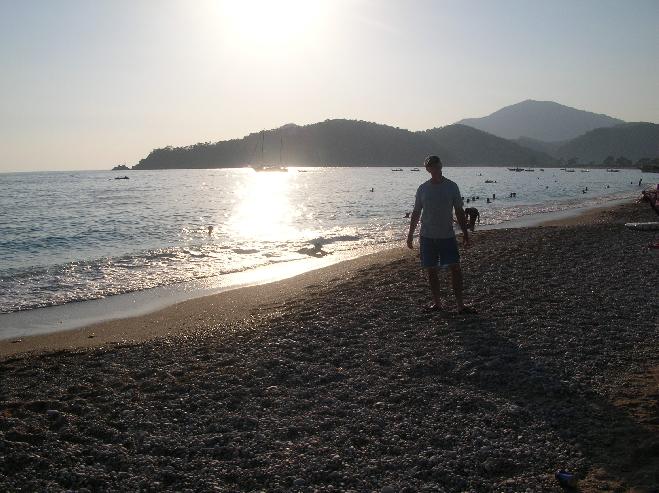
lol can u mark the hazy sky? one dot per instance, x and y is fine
(88, 84)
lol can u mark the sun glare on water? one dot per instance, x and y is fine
(264, 209)
(269, 23)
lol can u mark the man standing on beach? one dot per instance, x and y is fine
(434, 204)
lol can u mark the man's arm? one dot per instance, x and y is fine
(462, 221)
(414, 220)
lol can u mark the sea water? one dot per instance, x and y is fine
(73, 236)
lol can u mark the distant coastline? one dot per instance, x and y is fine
(348, 143)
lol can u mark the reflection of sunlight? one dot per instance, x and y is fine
(264, 211)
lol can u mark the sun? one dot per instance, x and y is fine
(269, 23)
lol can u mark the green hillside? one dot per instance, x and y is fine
(633, 141)
(348, 143)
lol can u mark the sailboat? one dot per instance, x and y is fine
(263, 167)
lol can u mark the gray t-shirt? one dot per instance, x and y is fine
(436, 201)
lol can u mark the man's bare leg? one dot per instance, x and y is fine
(433, 279)
(456, 281)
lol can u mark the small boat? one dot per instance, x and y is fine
(569, 171)
(414, 169)
(121, 178)
(530, 169)
(397, 169)
(542, 169)
(490, 181)
(613, 170)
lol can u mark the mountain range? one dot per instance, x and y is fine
(341, 142)
(540, 120)
(349, 143)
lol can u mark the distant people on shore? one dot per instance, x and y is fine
(434, 204)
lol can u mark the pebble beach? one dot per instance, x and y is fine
(348, 384)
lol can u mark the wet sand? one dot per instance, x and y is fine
(196, 315)
(340, 380)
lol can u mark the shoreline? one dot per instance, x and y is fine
(27, 324)
(339, 380)
(78, 314)
(224, 307)
(237, 303)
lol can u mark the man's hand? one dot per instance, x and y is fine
(414, 219)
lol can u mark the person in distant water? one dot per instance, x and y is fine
(435, 201)
(472, 215)
(640, 181)
(210, 230)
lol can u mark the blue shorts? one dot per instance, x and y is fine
(438, 252)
